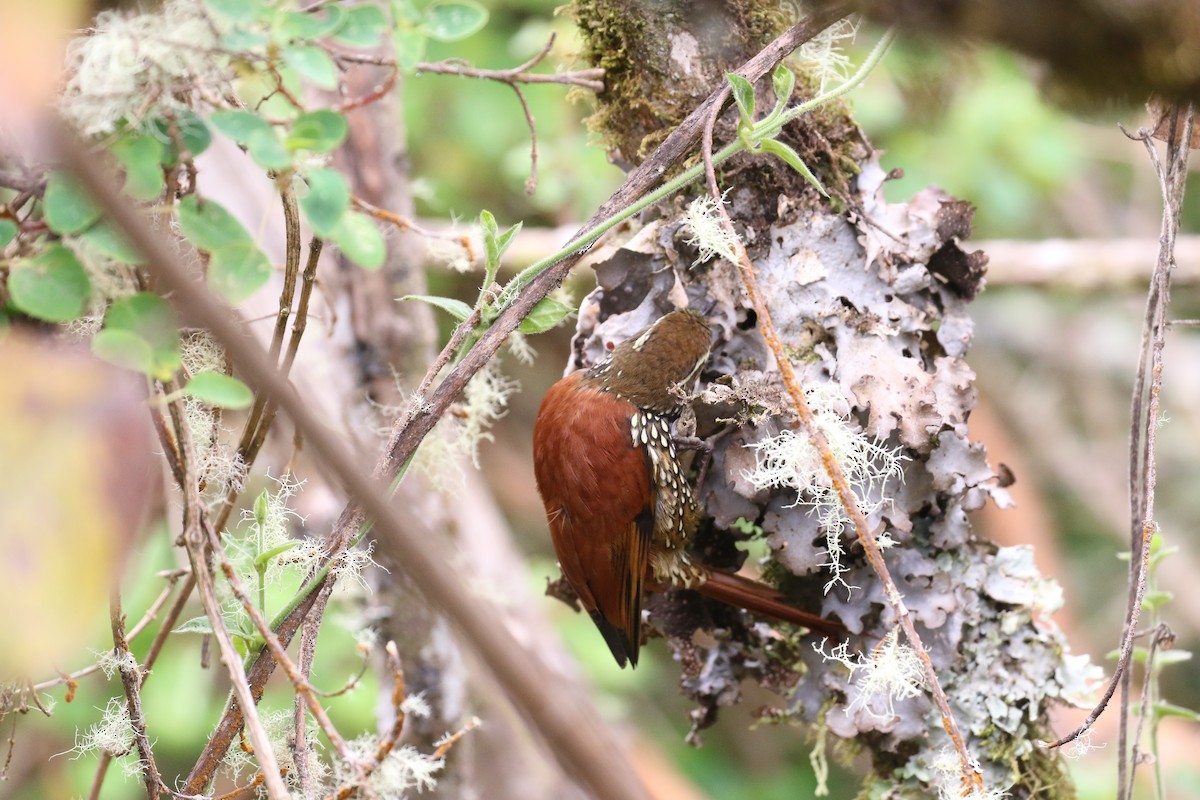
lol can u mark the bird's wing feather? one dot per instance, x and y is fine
(596, 489)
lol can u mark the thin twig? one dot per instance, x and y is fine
(71, 677)
(1143, 432)
(388, 741)
(131, 682)
(195, 540)
(972, 778)
(1159, 635)
(531, 181)
(378, 93)
(592, 78)
(276, 647)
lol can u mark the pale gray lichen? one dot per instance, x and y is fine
(872, 308)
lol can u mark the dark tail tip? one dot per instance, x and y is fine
(622, 644)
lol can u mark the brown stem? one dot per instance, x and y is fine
(1143, 476)
(194, 538)
(131, 681)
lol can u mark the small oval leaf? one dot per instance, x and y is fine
(219, 390)
(239, 125)
(141, 156)
(360, 240)
(547, 314)
(237, 270)
(409, 46)
(208, 225)
(125, 349)
(327, 200)
(194, 134)
(53, 286)
(319, 131)
(313, 64)
(148, 318)
(362, 27)
(451, 20)
(107, 241)
(455, 308)
(69, 208)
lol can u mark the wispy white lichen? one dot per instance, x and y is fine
(708, 236)
(112, 734)
(824, 55)
(789, 460)
(404, 769)
(948, 778)
(485, 400)
(132, 63)
(111, 662)
(889, 673)
(458, 253)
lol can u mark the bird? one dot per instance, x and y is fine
(618, 503)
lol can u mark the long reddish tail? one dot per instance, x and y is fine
(761, 599)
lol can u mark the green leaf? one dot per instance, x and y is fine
(148, 319)
(107, 241)
(783, 81)
(208, 225)
(362, 27)
(267, 151)
(327, 200)
(310, 25)
(52, 287)
(405, 11)
(312, 63)
(219, 390)
(547, 314)
(491, 248)
(200, 624)
(319, 131)
(1156, 599)
(262, 504)
(69, 209)
(266, 558)
(241, 39)
(194, 134)
(360, 240)
(1166, 658)
(505, 239)
(1171, 710)
(237, 270)
(141, 155)
(792, 158)
(452, 20)
(409, 45)
(124, 349)
(8, 231)
(239, 125)
(238, 10)
(455, 308)
(259, 137)
(743, 95)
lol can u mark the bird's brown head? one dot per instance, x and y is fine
(651, 368)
